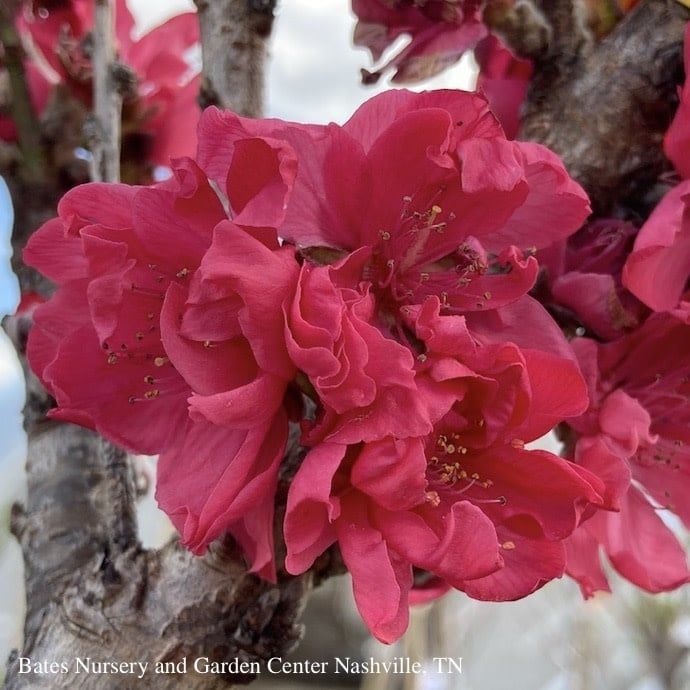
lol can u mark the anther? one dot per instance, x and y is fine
(433, 498)
(160, 361)
(508, 545)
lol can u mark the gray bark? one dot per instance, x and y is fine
(233, 44)
(603, 106)
(107, 116)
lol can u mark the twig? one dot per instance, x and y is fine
(23, 114)
(233, 46)
(107, 99)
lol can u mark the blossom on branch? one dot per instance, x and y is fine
(583, 280)
(382, 270)
(636, 437)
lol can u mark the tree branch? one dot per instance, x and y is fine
(233, 44)
(605, 107)
(94, 593)
(105, 145)
(23, 115)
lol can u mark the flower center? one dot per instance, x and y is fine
(451, 470)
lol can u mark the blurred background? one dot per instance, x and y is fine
(550, 641)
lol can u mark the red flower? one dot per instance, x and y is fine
(165, 109)
(584, 275)
(441, 32)
(405, 316)
(468, 504)
(163, 337)
(503, 79)
(658, 269)
(365, 380)
(637, 428)
(431, 200)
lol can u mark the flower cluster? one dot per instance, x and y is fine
(379, 269)
(160, 116)
(636, 436)
(629, 289)
(441, 31)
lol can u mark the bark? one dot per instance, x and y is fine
(105, 145)
(603, 106)
(120, 603)
(233, 44)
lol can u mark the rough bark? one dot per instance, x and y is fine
(233, 44)
(603, 106)
(120, 603)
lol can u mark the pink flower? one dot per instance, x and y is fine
(164, 113)
(441, 32)
(503, 79)
(658, 269)
(635, 437)
(365, 380)
(468, 504)
(584, 279)
(164, 337)
(430, 199)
